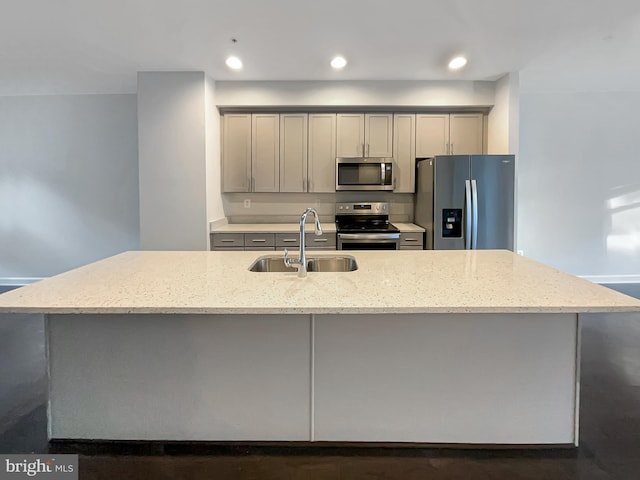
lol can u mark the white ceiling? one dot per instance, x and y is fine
(97, 46)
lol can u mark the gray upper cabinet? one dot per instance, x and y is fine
(466, 134)
(236, 153)
(296, 152)
(404, 152)
(378, 134)
(322, 152)
(293, 152)
(364, 135)
(265, 148)
(432, 135)
(449, 134)
(251, 152)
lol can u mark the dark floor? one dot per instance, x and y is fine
(609, 427)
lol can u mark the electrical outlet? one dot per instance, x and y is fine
(520, 252)
(247, 203)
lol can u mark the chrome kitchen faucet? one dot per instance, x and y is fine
(301, 262)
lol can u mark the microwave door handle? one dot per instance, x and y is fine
(382, 173)
(468, 217)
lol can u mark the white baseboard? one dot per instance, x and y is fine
(18, 281)
(612, 278)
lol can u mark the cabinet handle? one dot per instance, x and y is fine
(410, 239)
(452, 149)
(258, 240)
(320, 240)
(227, 241)
(308, 184)
(289, 240)
(367, 149)
(447, 148)
(363, 150)
(249, 184)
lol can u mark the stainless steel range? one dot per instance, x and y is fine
(365, 226)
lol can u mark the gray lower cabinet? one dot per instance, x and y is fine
(271, 241)
(287, 240)
(326, 241)
(259, 241)
(411, 240)
(227, 241)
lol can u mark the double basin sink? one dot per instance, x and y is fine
(274, 263)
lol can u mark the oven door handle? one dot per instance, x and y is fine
(369, 236)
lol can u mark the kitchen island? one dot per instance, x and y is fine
(448, 347)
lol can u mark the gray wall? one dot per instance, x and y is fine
(172, 151)
(360, 93)
(68, 182)
(579, 182)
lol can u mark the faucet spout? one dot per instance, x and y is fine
(301, 262)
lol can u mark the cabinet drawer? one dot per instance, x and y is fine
(412, 239)
(228, 240)
(259, 240)
(324, 240)
(286, 240)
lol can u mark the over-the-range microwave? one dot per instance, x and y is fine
(364, 174)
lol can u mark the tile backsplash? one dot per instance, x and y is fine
(287, 207)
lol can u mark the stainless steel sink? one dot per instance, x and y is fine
(272, 263)
(345, 263)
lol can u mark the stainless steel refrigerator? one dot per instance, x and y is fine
(466, 201)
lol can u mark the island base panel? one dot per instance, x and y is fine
(445, 378)
(503, 379)
(179, 377)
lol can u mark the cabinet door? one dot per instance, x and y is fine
(293, 152)
(404, 152)
(466, 134)
(265, 148)
(236, 153)
(378, 135)
(322, 152)
(350, 133)
(432, 135)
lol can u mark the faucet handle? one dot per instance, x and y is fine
(288, 261)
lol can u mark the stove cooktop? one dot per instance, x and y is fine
(365, 227)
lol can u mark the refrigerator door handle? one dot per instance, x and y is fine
(469, 217)
(474, 200)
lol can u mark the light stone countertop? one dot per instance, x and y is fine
(408, 227)
(328, 227)
(424, 281)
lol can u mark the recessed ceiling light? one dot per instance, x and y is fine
(457, 62)
(234, 63)
(338, 62)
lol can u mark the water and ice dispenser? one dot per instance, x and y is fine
(452, 222)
